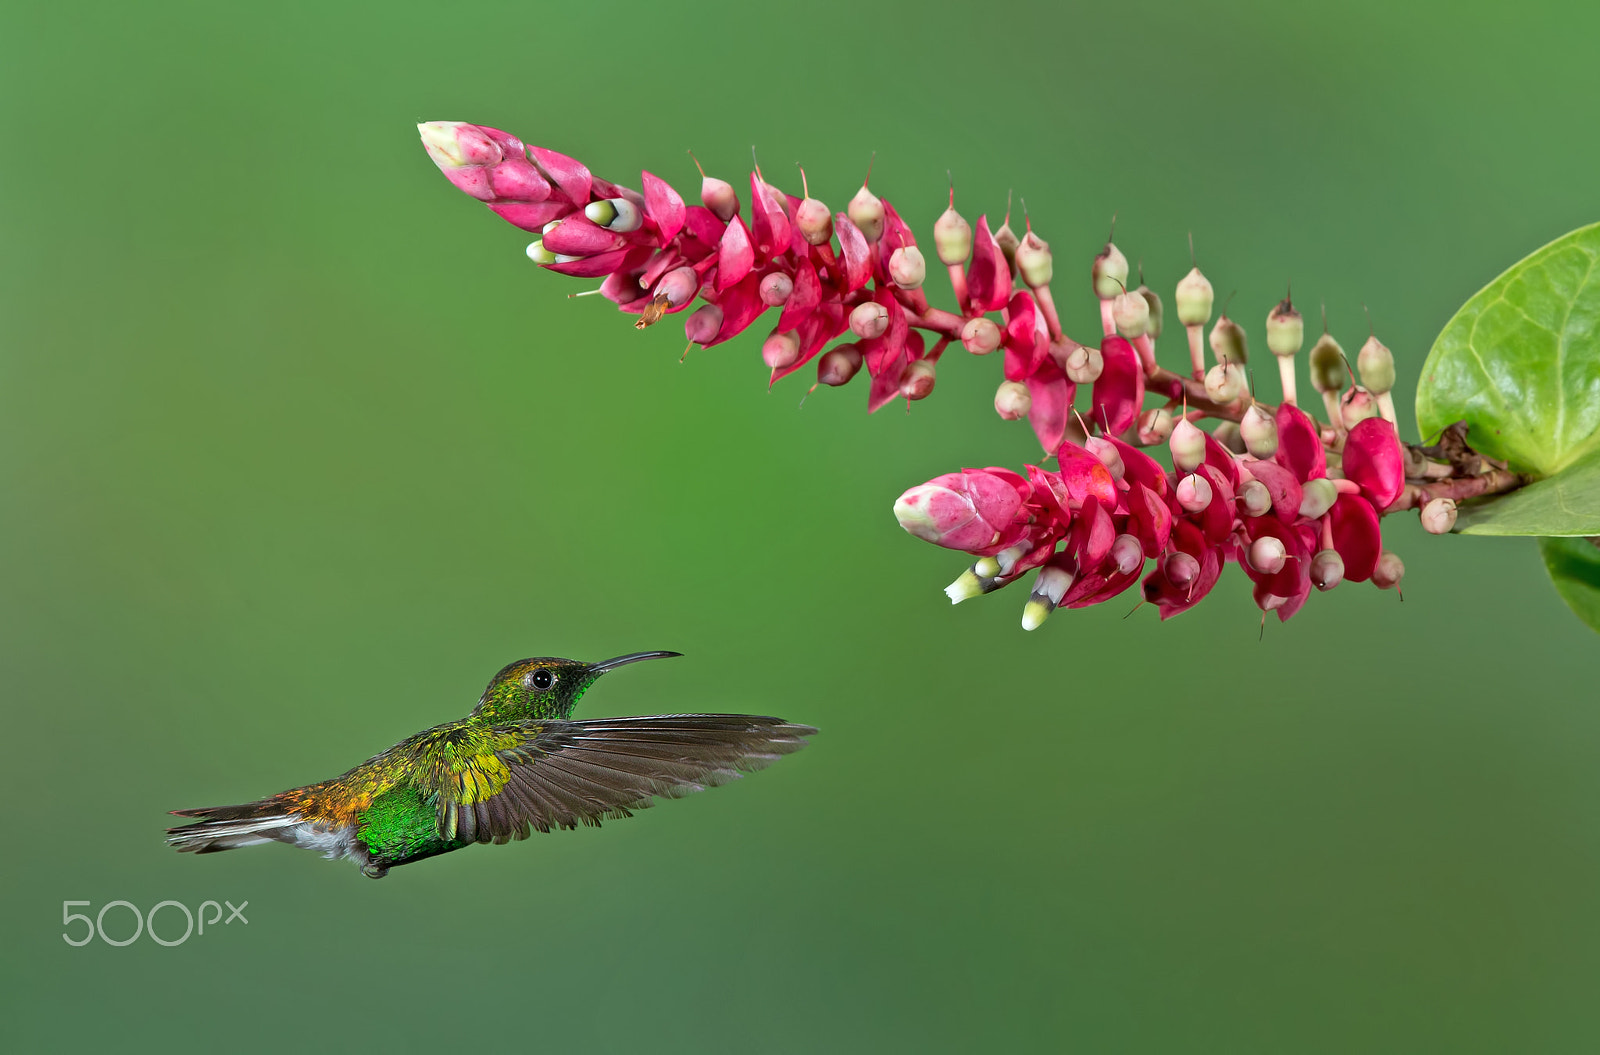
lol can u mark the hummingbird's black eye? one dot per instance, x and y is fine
(543, 679)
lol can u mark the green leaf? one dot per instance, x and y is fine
(1520, 362)
(1574, 566)
(1567, 503)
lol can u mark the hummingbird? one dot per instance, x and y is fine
(517, 762)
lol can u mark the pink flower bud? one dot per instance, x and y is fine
(1260, 432)
(980, 336)
(1155, 426)
(1267, 555)
(1286, 330)
(1376, 364)
(1228, 342)
(1109, 273)
(1012, 400)
(1188, 445)
(775, 288)
(907, 268)
(869, 320)
(720, 197)
(1317, 497)
(780, 350)
(1374, 461)
(1008, 242)
(838, 365)
(1131, 312)
(1225, 382)
(678, 286)
(1108, 454)
(1034, 262)
(1356, 406)
(1084, 364)
(917, 381)
(1194, 493)
(1153, 306)
(866, 212)
(1254, 498)
(1391, 569)
(703, 323)
(1127, 553)
(952, 237)
(1181, 568)
(1327, 365)
(1439, 516)
(1327, 570)
(814, 221)
(456, 144)
(967, 511)
(1194, 297)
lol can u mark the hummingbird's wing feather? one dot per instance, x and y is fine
(561, 774)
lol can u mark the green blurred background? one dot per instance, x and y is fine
(296, 449)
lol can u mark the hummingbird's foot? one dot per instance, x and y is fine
(374, 871)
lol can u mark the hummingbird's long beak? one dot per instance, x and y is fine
(631, 657)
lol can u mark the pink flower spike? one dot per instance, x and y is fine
(857, 253)
(1356, 535)
(569, 174)
(988, 274)
(735, 255)
(1300, 444)
(971, 510)
(1052, 401)
(1373, 459)
(1119, 391)
(664, 206)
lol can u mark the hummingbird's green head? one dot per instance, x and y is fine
(546, 686)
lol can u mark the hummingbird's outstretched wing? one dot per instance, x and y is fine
(562, 774)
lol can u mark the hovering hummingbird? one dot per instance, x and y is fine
(516, 762)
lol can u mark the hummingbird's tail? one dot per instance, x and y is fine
(227, 827)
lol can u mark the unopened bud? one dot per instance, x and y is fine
(1260, 432)
(1110, 272)
(1228, 343)
(720, 197)
(952, 237)
(539, 254)
(1439, 516)
(1188, 445)
(1328, 372)
(1227, 434)
(917, 381)
(907, 268)
(1127, 553)
(1194, 493)
(615, 214)
(1267, 554)
(1181, 568)
(1356, 406)
(775, 289)
(866, 212)
(1155, 425)
(838, 365)
(1376, 364)
(1034, 262)
(1390, 570)
(814, 221)
(1225, 382)
(1254, 498)
(780, 350)
(980, 336)
(1131, 312)
(1108, 454)
(1286, 330)
(1012, 400)
(1153, 305)
(1193, 299)
(869, 320)
(1084, 365)
(1008, 242)
(1327, 569)
(678, 286)
(1317, 497)
(703, 323)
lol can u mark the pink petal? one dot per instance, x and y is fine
(1356, 535)
(1024, 352)
(517, 178)
(570, 174)
(1052, 401)
(703, 225)
(1300, 444)
(663, 206)
(1092, 534)
(531, 216)
(820, 327)
(1085, 476)
(769, 224)
(857, 253)
(1098, 587)
(1119, 392)
(1281, 484)
(741, 305)
(1373, 459)
(591, 266)
(807, 293)
(1139, 467)
(579, 236)
(1221, 458)
(988, 274)
(735, 255)
(1216, 520)
(1149, 519)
